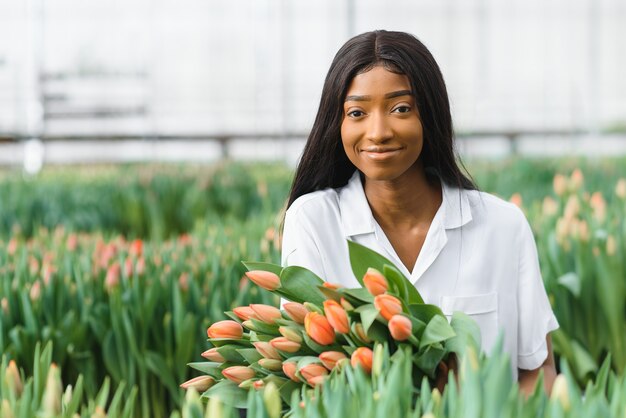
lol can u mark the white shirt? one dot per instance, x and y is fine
(479, 257)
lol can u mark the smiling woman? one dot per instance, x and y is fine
(379, 169)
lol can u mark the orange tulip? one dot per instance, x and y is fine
(200, 383)
(271, 364)
(13, 379)
(238, 374)
(330, 358)
(337, 316)
(316, 380)
(333, 286)
(319, 329)
(387, 305)
(136, 248)
(266, 313)
(225, 329)
(346, 305)
(283, 344)
(375, 282)
(266, 350)
(244, 313)
(400, 327)
(313, 370)
(360, 332)
(291, 334)
(289, 368)
(212, 355)
(265, 279)
(362, 356)
(296, 311)
(258, 384)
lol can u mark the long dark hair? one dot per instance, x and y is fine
(324, 162)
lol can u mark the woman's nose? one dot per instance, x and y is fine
(378, 128)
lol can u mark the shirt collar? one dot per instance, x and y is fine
(357, 218)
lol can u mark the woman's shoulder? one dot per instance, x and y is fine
(493, 210)
(313, 203)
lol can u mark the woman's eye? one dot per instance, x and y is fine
(355, 113)
(402, 109)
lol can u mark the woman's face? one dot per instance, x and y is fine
(381, 129)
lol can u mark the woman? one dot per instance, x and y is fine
(379, 169)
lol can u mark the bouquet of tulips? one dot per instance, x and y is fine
(324, 327)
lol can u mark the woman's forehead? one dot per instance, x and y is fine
(377, 81)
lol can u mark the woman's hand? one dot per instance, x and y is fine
(528, 378)
(443, 369)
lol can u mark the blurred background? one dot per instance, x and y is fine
(147, 147)
(116, 81)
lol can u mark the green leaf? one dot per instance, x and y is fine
(362, 258)
(360, 294)
(407, 291)
(428, 360)
(301, 285)
(467, 334)
(253, 265)
(425, 312)
(571, 281)
(251, 355)
(231, 353)
(211, 368)
(228, 393)
(437, 330)
(368, 313)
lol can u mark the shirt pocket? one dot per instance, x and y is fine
(481, 308)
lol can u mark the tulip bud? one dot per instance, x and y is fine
(5, 306)
(136, 248)
(51, 402)
(247, 384)
(213, 355)
(337, 316)
(296, 311)
(319, 329)
(313, 370)
(330, 358)
(311, 307)
(388, 306)
(611, 245)
(375, 282)
(35, 291)
(266, 313)
(112, 279)
(225, 329)
(360, 332)
(271, 364)
(560, 392)
(290, 333)
(316, 380)
(377, 360)
(257, 384)
(266, 350)
(283, 344)
(549, 206)
(346, 305)
(516, 199)
(140, 266)
(265, 279)
(200, 383)
(620, 189)
(363, 357)
(577, 179)
(6, 411)
(400, 327)
(333, 286)
(559, 183)
(13, 379)
(238, 374)
(289, 368)
(272, 400)
(244, 313)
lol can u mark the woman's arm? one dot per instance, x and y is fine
(528, 378)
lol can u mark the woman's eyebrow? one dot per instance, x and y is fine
(387, 96)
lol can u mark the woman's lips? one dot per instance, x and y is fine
(380, 154)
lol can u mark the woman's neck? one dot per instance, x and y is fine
(404, 203)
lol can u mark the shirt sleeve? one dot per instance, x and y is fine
(299, 247)
(535, 315)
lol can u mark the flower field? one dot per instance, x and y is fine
(109, 280)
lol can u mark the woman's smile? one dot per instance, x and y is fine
(381, 154)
